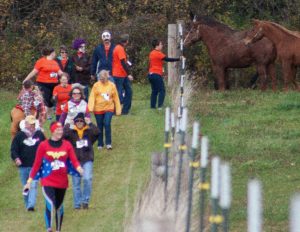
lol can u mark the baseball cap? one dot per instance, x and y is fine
(30, 119)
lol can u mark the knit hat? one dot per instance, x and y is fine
(30, 119)
(79, 116)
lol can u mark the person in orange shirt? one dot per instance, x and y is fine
(156, 60)
(61, 94)
(104, 101)
(121, 74)
(47, 71)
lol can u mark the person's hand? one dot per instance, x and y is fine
(87, 120)
(27, 185)
(80, 170)
(18, 162)
(182, 58)
(130, 77)
(93, 78)
(78, 68)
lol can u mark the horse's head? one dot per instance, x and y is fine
(256, 33)
(194, 34)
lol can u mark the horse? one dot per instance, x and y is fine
(227, 50)
(287, 45)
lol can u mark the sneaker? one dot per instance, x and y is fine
(30, 209)
(85, 205)
(109, 147)
(99, 148)
(160, 108)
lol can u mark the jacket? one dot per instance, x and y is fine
(82, 77)
(84, 146)
(100, 61)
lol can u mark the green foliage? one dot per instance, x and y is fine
(27, 26)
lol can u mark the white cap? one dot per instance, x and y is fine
(106, 35)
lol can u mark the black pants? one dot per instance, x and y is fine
(54, 198)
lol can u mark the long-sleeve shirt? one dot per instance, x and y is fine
(104, 98)
(53, 157)
(26, 101)
(24, 147)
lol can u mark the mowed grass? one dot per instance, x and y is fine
(259, 134)
(119, 175)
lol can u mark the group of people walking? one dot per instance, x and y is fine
(63, 81)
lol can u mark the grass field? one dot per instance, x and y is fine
(118, 174)
(259, 134)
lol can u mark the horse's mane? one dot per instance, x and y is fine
(293, 33)
(211, 22)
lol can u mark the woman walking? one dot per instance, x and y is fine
(82, 137)
(47, 71)
(104, 101)
(61, 94)
(54, 158)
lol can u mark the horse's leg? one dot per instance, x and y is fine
(220, 74)
(272, 73)
(287, 73)
(293, 77)
(262, 72)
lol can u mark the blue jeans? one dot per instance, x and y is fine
(104, 120)
(119, 85)
(83, 195)
(128, 96)
(30, 199)
(158, 89)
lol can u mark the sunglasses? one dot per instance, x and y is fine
(79, 120)
(76, 93)
(64, 52)
(83, 46)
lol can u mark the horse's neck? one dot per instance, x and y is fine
(214, 38)
(274, 34)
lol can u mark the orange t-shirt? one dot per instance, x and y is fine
(156, 62)
(47, 70)
(62, 94)
(117, 68)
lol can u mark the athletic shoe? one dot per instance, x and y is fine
(99, 148)
(30, 209)
(85, 205)
(108, 147)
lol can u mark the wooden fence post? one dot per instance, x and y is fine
(172, 52)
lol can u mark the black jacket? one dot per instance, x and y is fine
(82, 77)
(84, 152)
(25, 148)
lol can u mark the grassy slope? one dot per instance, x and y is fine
(259, 133)
(118, 174)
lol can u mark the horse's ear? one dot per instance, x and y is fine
(192, 15)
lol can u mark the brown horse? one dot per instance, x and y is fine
(287, 44)
(227, 50)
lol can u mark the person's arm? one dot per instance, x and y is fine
(95, 60)
(125, 66)
(74, 159)
(64, 114)
(91, 101)
(15, 150)
(168, 59)
(37, 162)
(31, 75)
(116, 100)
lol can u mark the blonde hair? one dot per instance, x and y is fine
(103, 75)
